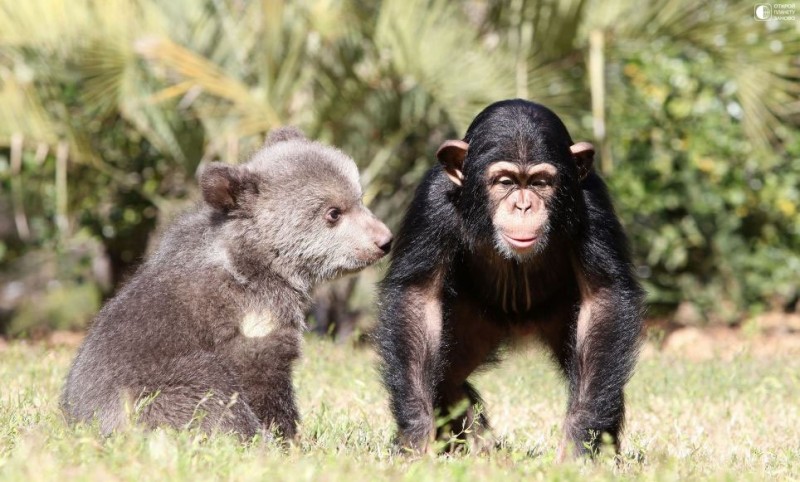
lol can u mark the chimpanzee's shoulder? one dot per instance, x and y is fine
(432, 211)
(429, 229)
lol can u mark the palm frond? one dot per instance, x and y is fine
(22, 111)
(726, 33)
(431, 44)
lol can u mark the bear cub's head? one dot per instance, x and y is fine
(296, 205)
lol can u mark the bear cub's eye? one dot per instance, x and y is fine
(333, 215)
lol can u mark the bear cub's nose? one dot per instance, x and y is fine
(385, 245)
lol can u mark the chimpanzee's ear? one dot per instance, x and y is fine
(224, 185)
(285, 133)
(452, 154)
(583, 154)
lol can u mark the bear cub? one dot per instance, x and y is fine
(207, 331)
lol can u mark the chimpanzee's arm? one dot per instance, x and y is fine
(409, 331)
(607, 330)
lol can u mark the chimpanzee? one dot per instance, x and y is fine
(512, 236)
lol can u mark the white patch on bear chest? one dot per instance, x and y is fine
(257, 324)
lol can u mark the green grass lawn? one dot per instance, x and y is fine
(716, 420)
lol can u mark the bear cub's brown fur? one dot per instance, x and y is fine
(207, 331)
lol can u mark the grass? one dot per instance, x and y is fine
(736, 419)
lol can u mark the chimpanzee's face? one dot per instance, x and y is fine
(519, 177)
(519, 195)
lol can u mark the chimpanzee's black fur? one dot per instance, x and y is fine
(447, 235)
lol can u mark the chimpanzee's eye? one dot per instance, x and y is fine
(333, 215)
(505, 181)
(542, 182)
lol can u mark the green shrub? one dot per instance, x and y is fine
(714, 219)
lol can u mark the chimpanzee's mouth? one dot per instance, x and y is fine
(519, 243)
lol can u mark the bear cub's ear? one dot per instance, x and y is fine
(224, 186)
(282, 134)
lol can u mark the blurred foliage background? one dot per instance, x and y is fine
(107, 108)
